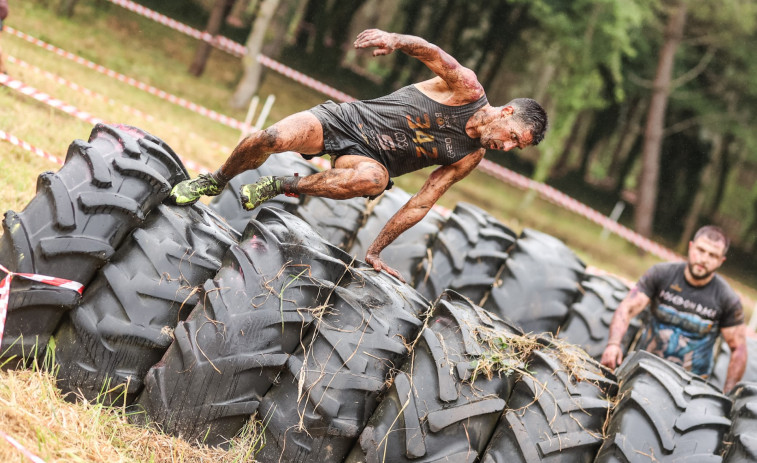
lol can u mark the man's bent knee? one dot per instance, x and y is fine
(373, 180)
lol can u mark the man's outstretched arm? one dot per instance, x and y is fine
(457, 77)
(418, 206)
(735, 336)
(628, 308)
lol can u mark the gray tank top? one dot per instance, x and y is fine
(404, 131)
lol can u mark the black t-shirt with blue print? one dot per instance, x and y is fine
(686, 319)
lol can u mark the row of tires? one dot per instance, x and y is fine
(203, 317)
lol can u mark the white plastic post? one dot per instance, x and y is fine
(248, 119)
(264, 112)
(614, 216)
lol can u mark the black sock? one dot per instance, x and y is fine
(220, 178)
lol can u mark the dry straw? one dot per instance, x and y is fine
(33, 412)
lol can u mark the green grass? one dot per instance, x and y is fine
(159, 56)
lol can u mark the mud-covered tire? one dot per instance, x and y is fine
(126, 319)
(664, 413)
(466, 255)
(556, 412)
(742, 438)
(432, 412)
(588, 322)
(76, 221)
(227, 353)
(409, 249)
(720, 368)
(229, 206)
(331, 385)
(538, 284)
(337, 220)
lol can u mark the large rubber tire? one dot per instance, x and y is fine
(237, 340)
(588, 322)
(229, 206)
(432, 412)
(540, 281)
(664, 414)
(336, 220)
(742, 437)
(556, 412)
(126, 319)
(720, 369)
(332, 382)
(408, 250)
(466, 256)
(79, 216)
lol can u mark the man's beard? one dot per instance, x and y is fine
(698, 277)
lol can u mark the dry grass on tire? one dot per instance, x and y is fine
(33, 412)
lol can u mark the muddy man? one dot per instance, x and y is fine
(445, 121)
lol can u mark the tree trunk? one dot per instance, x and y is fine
(653, 133)
(575, 137)
(66, 7)
(220, 10)
(248, 85)
(629, 133)
(411, 9)
(697, 205)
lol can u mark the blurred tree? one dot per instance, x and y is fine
(220, 9)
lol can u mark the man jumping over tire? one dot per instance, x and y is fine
(691, 306)
(444, 121)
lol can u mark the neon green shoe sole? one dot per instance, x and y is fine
(253, 195)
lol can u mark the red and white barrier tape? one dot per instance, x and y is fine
(42, 97)
(13, 140)
(209, 113)
(5, 289)
(78, 88)
(21, 448)
(565, 201)
(234, 48)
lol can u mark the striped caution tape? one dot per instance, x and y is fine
(13, 140)
(194, 107)
(85, 91)
(24, 451)
(5, 289)
(42, 97)
(234, 48)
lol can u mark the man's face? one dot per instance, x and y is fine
(504, 133)
(705, 256)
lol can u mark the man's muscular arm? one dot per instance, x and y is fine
(418, 206)
(631, 306)
(457, 77)
(735, 336)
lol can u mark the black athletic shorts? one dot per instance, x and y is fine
(339, 136)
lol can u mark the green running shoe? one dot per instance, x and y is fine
(189, 191)
(253, 195)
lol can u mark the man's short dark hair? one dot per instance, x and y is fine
(714, 233)
(532, 115)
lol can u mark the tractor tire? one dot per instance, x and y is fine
(664, 414)
(228, 352)
(126, 319)
(408, 250)
(588, 322)
(539, 282)
(466, 256)
(323, 400)
(556, 412)
(336, 220)
(434, 411)
(742, 438)
(229, 206)
(77, 220)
